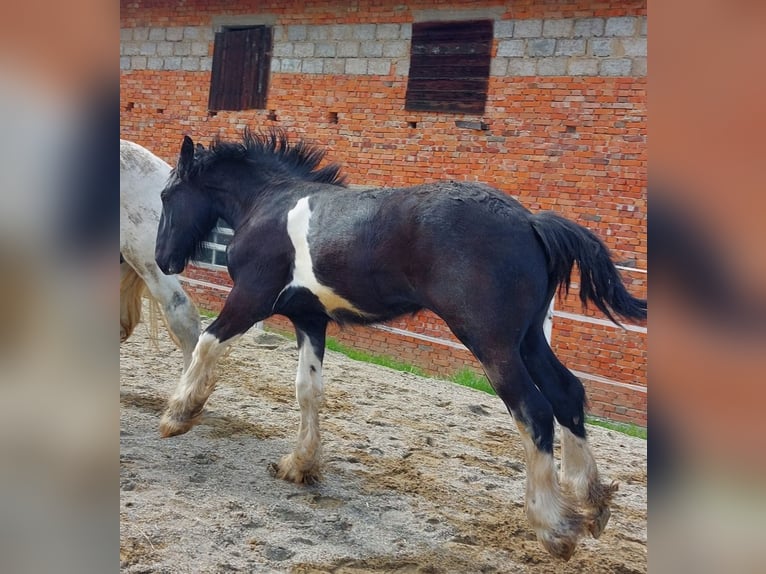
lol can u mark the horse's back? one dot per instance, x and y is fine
(424, 246)
(143, 175)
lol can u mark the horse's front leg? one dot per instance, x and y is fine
(302, 465)
(184, 409)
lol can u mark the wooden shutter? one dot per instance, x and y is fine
(241, 67)
(449, 66)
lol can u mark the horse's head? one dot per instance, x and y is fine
(187, 213)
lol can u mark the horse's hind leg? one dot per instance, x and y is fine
(302, 465)
(551, 512)
(565, 392)
(198, 381)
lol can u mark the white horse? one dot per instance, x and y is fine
(142, 177)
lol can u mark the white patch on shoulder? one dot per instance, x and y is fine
(298, 223)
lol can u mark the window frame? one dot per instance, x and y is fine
(216, 248)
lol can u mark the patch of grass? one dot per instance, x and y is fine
(468, 378)
(208, 314)
(381, 360)
(625, 428)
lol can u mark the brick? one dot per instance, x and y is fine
(340, 32)
(157, 34)
(334, 66)
(639, 69)
(371, 49)
(312, 66)
(154, 63)
(616, 67)
(541, 47)
(396, 49)
(124, 63)
(174, 34)
(303, 49)
(588, 27)
(356, 66)
(199, 48)
(570, 47)
(325, 50)
(387, 31)
(527, 28)
(206, 63)
(138, 62)
(192, 33)
(503, 29)
(511, 48)
(291, 65)
(147, 48)
(634, 47)
(363, 32)
(558, 28)
(164, 48)
(297, 33)
(621, 26)
(171, 63)
(282, 49)
(315, 33)
(498, 67)
(521, 67)
(129, 49)
(190, 64)
(583, 67)
(552, 66)
(601, 46)
(140, 34)
(182, 49)
(379, 67)
(406, 31)
(348, 49)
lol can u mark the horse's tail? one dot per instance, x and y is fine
(565, 243)
(132, 288)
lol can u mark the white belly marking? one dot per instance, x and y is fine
(298, 222)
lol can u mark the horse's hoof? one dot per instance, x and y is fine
(598, 523)
(558, 546)
(286, 471)
(172, 427)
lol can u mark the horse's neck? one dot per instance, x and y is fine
(236, 207)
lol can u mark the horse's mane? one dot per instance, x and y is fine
(274, 151)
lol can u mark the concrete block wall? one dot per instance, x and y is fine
(566, 119)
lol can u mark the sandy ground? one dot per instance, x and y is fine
(420, 475)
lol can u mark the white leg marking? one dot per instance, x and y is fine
(302, 465)
(298, 224)
(195, 386)
(579, 474)
(544, 502)
(556, 522)
(578, 467)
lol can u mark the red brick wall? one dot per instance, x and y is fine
(573, 144)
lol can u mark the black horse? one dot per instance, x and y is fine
(310, 249)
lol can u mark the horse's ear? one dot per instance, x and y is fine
(186, 158)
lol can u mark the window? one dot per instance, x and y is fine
(214, 247)
(241, 66)
(449, 66)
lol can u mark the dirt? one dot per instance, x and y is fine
(420, 476)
